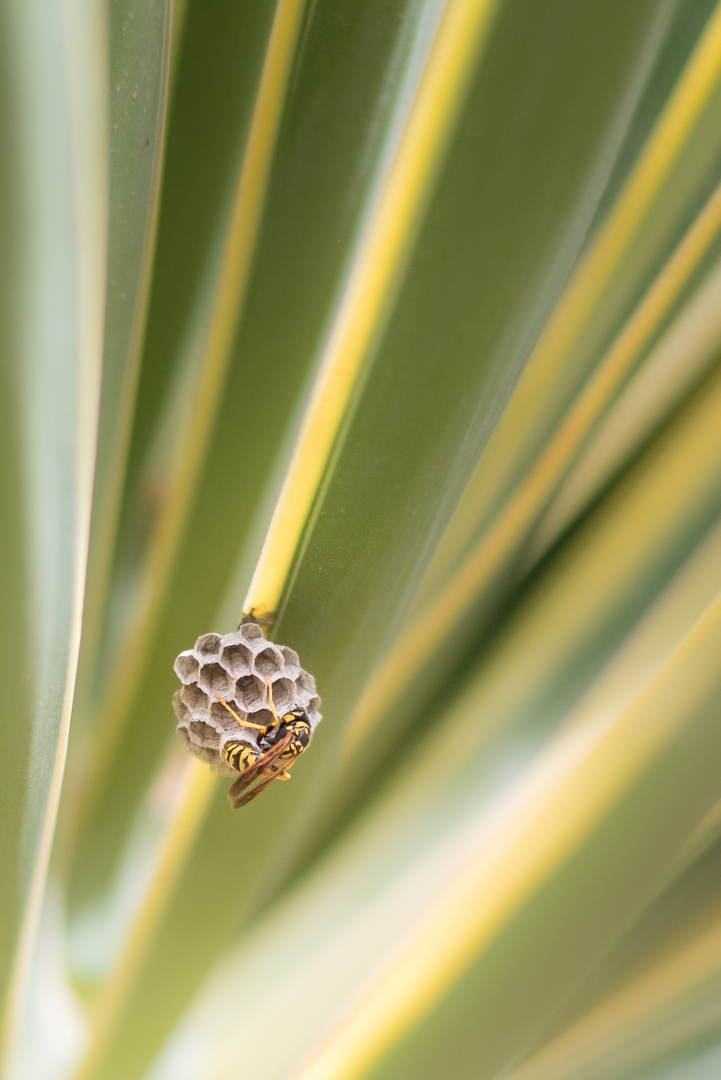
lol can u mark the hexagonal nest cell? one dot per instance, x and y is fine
(235, 667)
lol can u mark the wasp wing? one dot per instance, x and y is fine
(243, 800)
(266, 769)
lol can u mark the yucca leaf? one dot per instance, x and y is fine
(669, 1007)
(593, 595)
(430, 423)
(139, 45)
(672, 369)
(408, 333)
(703, 1065)
(224, 531)
(367, 895)
(192, 413)
(656, 994)
(425, 626)
(587, 314)
(53, 227)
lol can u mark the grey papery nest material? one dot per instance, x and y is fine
(235, 666)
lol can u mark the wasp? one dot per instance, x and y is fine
(280, 743)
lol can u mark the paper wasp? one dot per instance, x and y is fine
(280, 743)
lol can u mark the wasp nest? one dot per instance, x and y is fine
(235, 666)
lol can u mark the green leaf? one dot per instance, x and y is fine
(53, 226)
(520, 473)
(439, 432)
(408, 332)
(139, 42)
(341, 927)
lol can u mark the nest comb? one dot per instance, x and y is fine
(236, 667)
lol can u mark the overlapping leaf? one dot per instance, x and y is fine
(411, 335)
(54, 247)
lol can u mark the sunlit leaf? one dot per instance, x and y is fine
(397, 320)
(53, 227)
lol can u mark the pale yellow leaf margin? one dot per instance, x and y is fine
(235, 269)
(368, 295)
(634, 1011)
(665, 143)
(85, 35)
(576, 781)
(240, 246)
(374, 278)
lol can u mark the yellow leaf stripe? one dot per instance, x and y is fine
(377, 268)
(200, 783)
(393, 848)
(673, 128)
(84, 68)
(243, 230)
(394, 842)
(372, 285)
(685, 350)
(632, 1013)
(245, 221)
(579, 777)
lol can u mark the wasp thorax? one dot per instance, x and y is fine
(232, 672)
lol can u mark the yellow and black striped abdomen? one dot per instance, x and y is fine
(240, 756)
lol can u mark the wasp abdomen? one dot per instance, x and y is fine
(240, 756)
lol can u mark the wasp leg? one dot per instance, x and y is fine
(285, 775)
(276, 718)
(264, 728)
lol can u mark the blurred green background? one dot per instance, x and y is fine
(401, 319)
